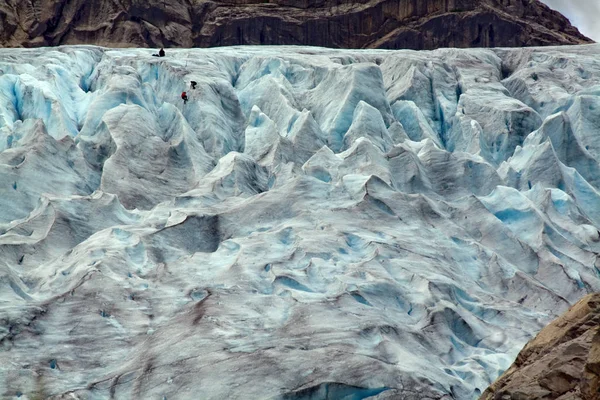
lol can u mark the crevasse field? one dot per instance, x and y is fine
(313, 224)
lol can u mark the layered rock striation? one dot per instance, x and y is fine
(413, 24)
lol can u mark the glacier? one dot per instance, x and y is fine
(312, 224)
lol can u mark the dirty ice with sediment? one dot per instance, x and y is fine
(312, 224)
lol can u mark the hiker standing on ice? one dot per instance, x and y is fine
(184, 97)
(161, 53)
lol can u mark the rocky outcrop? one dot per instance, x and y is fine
(415, 24)
(562, 362)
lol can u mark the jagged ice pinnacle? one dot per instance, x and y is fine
(312, 223)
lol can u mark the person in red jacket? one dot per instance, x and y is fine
(184, 97)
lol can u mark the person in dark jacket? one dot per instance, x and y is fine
(193, 84)
(161, 53)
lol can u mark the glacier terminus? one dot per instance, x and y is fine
(311, 224)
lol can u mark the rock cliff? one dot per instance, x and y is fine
(414, 24)
(562, 362)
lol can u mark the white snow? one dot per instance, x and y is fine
(313, 223)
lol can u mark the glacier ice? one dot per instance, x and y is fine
(313, 223)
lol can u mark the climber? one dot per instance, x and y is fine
(193, 84)
(184, 97)
(161, 53)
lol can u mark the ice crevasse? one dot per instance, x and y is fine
(312, 224)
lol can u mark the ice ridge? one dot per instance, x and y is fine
(312, 224)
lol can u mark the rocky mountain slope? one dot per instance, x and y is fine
(313, 223)
(563, 361)
(413, 24)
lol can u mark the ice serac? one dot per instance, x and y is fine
(415, 24)
(313, 223)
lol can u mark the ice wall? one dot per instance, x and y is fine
(312, 224)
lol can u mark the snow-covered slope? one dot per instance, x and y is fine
(312, 224)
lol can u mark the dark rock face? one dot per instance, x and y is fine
(562, 362)
(415, 24)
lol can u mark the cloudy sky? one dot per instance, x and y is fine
(584, 14)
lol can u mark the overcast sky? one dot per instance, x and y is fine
(584, 14)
